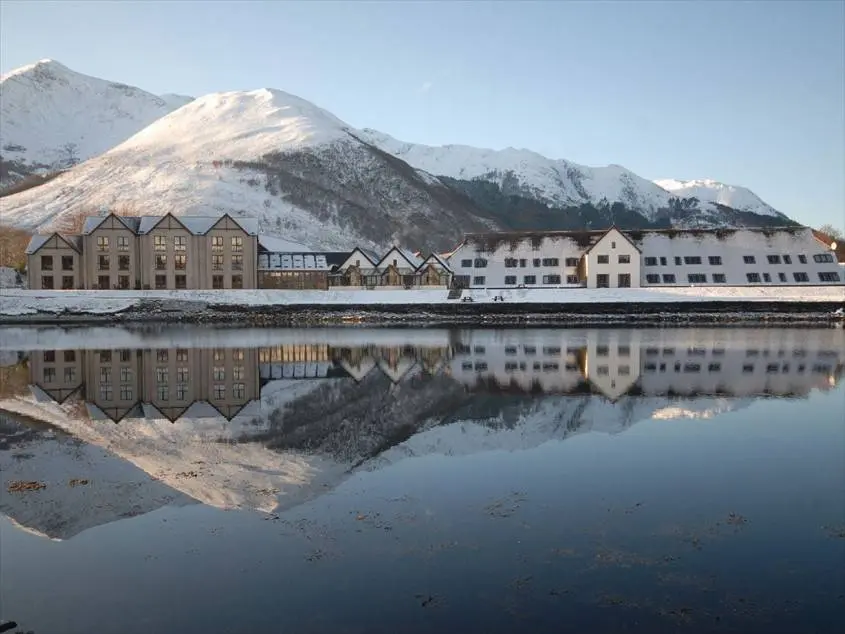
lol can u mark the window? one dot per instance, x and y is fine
(67, 282)
(692, 259)
(105, 356)
(237, 281)
(624, 259)
(122, 243)
(551, 279)
(125, 392)
(105, 374)
(67, 262)
(697, 278)
(719, 278)
(624, 370)
(49, 356)
(773, 259)
(668, 278)
(571, 261)
(529, 349)
(714, 367)
(572, 279)
(103, 282)
(238, 390)
(237, 244)
(102, 243)
(181, 281)
(103, 263)
(219, 354)
(536, 262)
(692, 367)
(46, 262)
(652, 278)
(602, 281)
(182, 375)
(217, 243)
(754, 278)
(180, 262)
(238, 373)
(125, 375)
(828, 276)
(70, 375)
(181, 392)
(678, 261)
(162, 375)
(529, 279)
(467, 264)
(163, 393)
(70, 356)
(106, 392)
(47, 281)
(510, 263)
(623, 351)
(122, 262)
(612, 245)
(603, 370)
(551, 262)
(237, 263)
(49, 375)
(782, 277)
(749, 259)
(216, 281)
(479, 263)
(123, 282)
(767, 277)
(823, 257)
(802, 259)
(603, 259)
(715, 260)
(787, 259)
(180, 243)
(479, 280)
(510, 279)
(662, 261)
(801, 277)
(624, 280)
(160, 243)
(553, 351)
(181, 354)
(650, 261)
(162, 356)
(161, 281)
(161, 262)
(219, 391)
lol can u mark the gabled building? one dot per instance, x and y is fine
(54, 262)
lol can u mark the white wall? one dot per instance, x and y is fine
(614, 246)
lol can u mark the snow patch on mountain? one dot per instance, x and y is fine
(53, 117)
(175, 101)
(710, 191)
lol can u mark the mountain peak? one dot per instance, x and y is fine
(713, 191)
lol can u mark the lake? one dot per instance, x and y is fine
(190, 479)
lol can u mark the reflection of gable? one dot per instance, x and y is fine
(359, 369)
(57, 395)
(114, 414)
(397, 368)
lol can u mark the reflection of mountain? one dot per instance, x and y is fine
(267, 427)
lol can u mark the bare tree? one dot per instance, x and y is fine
(833, 232)
(71, 154)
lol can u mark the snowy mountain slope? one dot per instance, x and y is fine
(262, 153)
(52, 117)
(523, 172)
(710, 191)
(174, 101)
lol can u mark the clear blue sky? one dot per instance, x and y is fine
(750, 93)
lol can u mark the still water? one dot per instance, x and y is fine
(377, 480)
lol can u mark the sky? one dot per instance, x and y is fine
(747, 93)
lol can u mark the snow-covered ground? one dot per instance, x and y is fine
(24, 302)
(10, 278)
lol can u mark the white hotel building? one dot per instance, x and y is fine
(641, 258)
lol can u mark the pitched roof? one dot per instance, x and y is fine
(439, 259)
(197, 225)
(412, 259)
(92, 222)
(39, 240)
(621, 233)
(837, 246)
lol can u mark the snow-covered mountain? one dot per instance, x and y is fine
(52, 117)
(308, 176)
(710, 191)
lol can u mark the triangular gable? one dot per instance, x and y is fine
(350, 261)
(168, 215)
(233, 219)
(434, 258)
(605, 234)
(37, 242)
(92, 223)
(400, 254)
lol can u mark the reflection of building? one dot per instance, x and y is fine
(617, 363)
(156, 383)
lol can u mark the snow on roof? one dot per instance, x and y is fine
(440, 259)
(197, 225)
(280, 245)
(36, 242)
(293, 262)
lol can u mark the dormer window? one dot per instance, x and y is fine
(612, 245)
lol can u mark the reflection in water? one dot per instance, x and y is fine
(435, 479)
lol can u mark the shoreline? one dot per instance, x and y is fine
(728, 313)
